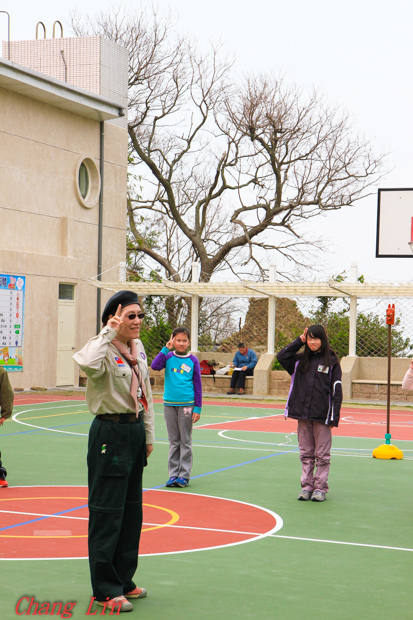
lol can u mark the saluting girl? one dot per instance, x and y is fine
(314, 401)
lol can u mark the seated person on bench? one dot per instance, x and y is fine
(244, 362)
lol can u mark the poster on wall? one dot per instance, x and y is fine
(12, 289)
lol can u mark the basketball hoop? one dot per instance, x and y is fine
(394, 223)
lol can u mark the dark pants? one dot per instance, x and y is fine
(239, 376)
(116, 458)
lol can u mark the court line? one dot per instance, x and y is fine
(43, 428)
(185, 527)
(54, 415)
(265, 443)
(270, 534)
(221, 434)
(9, 527)
(340, 542)
(278, 525)
(39, 514)
(149, 489)
(261, 417)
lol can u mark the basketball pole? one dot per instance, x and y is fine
(387, 450)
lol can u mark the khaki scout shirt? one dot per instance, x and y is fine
(108, 386)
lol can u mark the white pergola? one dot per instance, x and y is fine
(270, 290)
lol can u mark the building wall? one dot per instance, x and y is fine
(46, 233)
(92, 63)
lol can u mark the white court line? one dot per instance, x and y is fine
(195, 445)
(183, 527)
(212, 529)
(340, 542)
(256, 417)
(221, 434)
(39, 514)
(269, 534)
(44, 428)
(334, 451)
(293, 451)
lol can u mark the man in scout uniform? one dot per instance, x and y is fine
(121, 437)
(6, 406)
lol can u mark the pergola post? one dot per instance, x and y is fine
(196, 272)
(271, 313)
(353, 314)
(122, 272)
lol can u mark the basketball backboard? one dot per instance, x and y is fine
(394, 223)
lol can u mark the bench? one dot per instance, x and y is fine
(375, 389)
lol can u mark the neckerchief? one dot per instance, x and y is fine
(137, 381)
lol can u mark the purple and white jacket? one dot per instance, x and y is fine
(317, 394)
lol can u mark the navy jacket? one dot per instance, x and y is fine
(249, 360)
(317, 394)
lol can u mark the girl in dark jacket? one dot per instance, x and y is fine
(314, 401)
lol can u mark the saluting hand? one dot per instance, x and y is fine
(170, 343)
(115, 322)
(304, 335)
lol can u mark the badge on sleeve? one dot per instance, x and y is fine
(119, 361)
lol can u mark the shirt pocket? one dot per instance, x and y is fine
(122, 378)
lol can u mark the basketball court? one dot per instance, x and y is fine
(236, 543)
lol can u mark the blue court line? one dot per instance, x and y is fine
(56, 514)
(217, 471)
(161, 486)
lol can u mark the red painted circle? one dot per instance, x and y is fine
(200, 522)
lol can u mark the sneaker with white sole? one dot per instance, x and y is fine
(118, 604)
(137, 593)
(304, 496)
(318, 496)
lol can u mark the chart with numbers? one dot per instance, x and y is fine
(12, 290)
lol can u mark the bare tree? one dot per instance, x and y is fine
(223, 172)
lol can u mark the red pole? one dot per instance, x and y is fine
(388, 378)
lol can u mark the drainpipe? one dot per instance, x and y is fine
(100, 227)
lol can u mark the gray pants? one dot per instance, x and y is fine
(314, 440)
(179, 426)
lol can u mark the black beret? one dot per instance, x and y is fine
(124, 298)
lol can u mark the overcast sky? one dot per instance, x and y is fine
(358, 52)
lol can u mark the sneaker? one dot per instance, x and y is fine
(4, 483)
(136, 593)
(304, 496)
(118, 604)
(318, 496)
(171, 481)
(181, 482)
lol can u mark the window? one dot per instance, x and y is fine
(67, 291)
(87, 181)
(83, 180)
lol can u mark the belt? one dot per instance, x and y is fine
(122, 418)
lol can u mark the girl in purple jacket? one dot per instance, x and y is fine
(314, 401)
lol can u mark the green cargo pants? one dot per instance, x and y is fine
(116, 458)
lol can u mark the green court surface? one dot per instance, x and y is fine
(349, 557)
